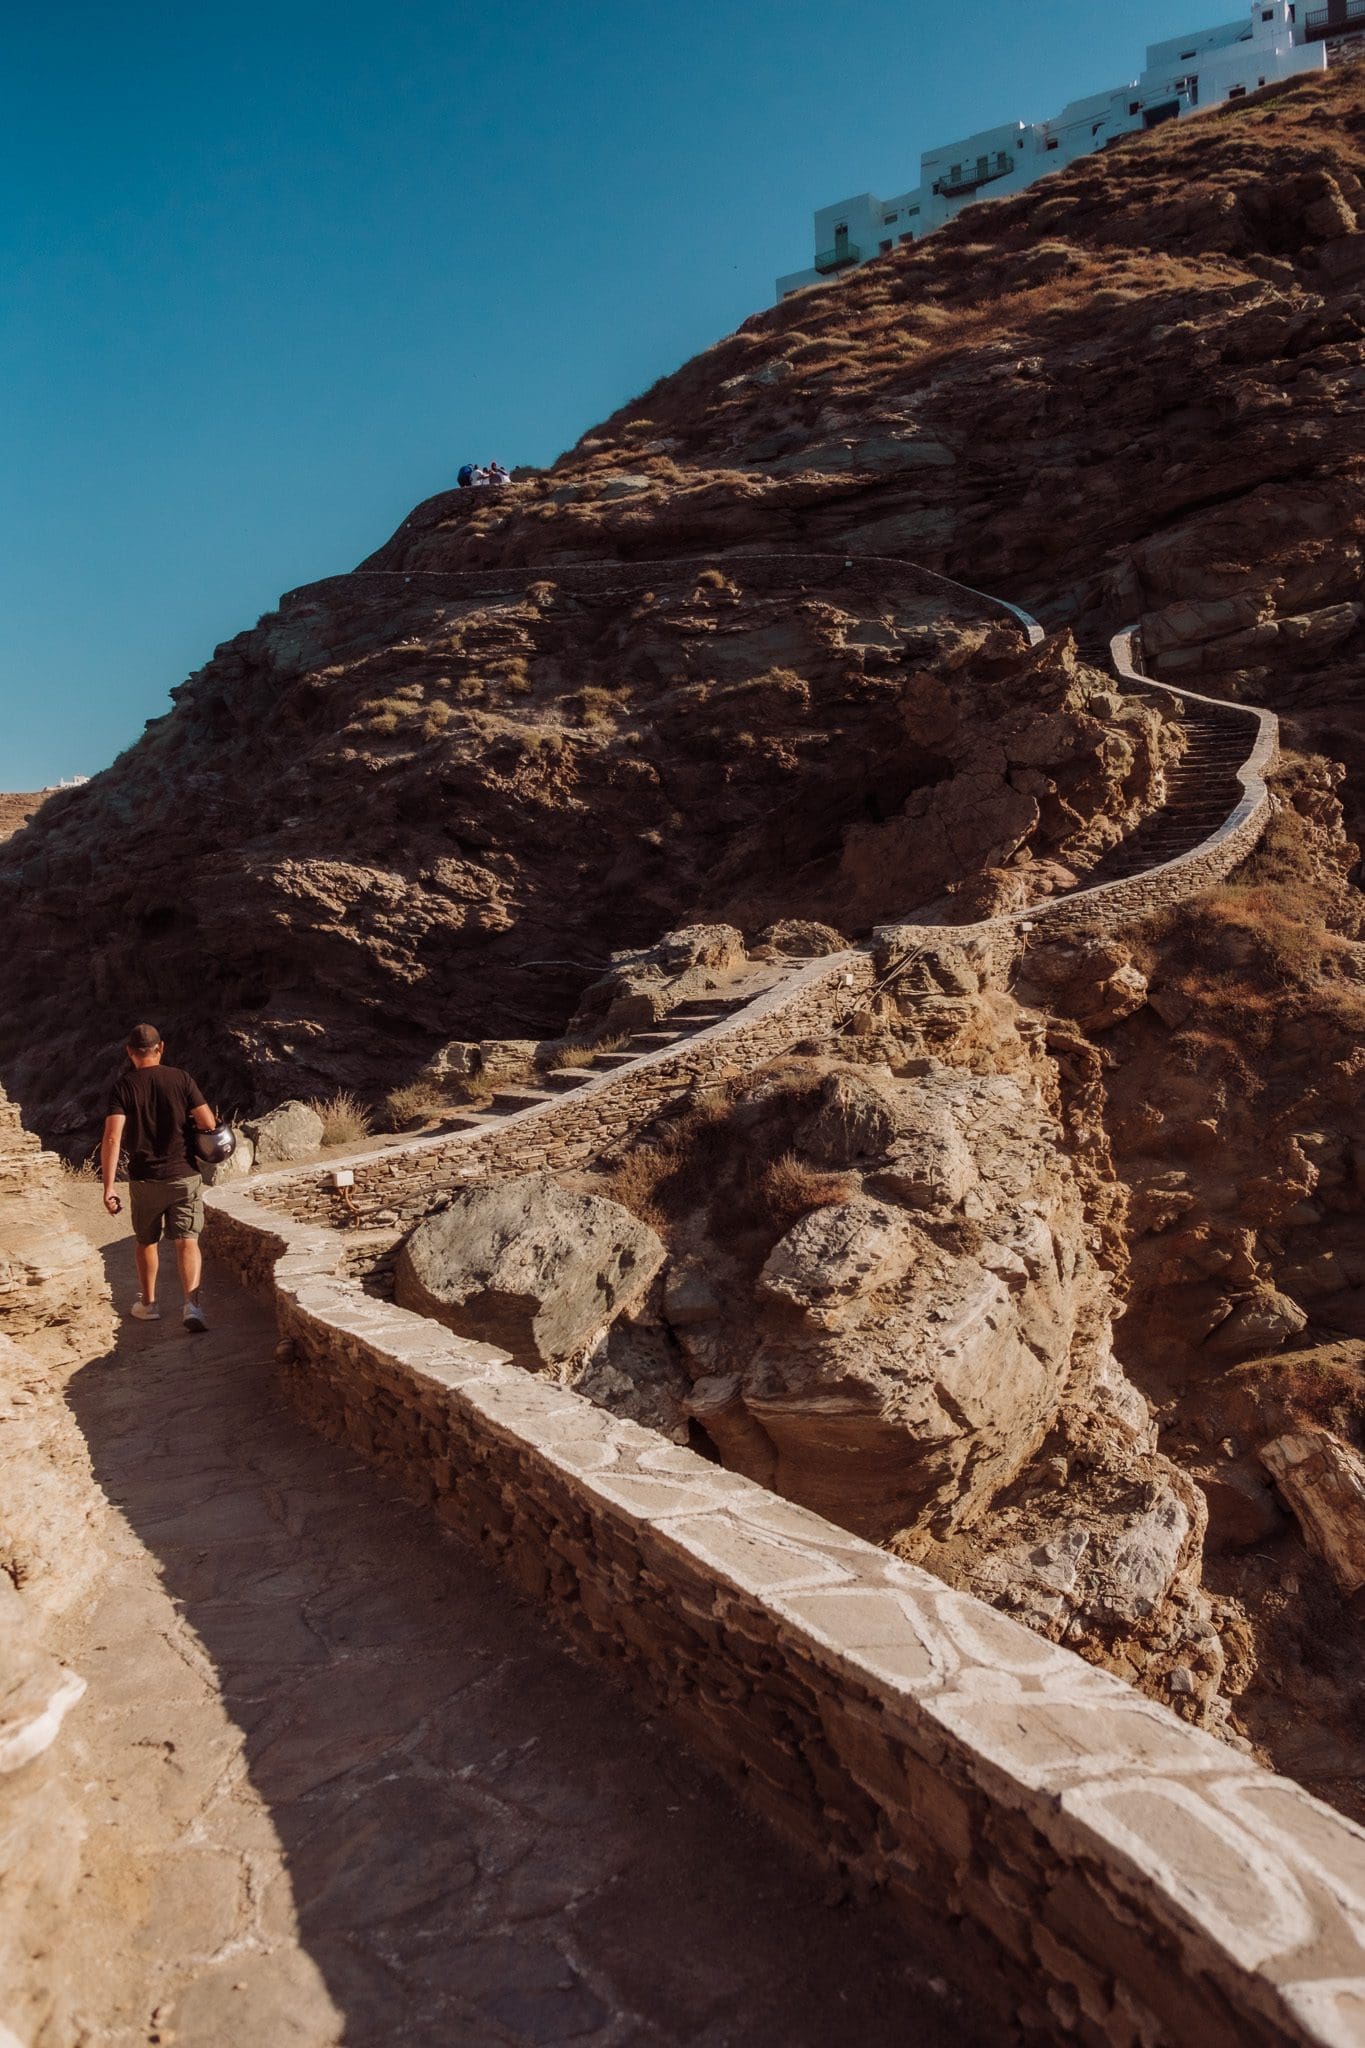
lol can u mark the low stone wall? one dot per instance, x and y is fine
(1097, 1868)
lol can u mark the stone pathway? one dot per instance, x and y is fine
(343, 1787)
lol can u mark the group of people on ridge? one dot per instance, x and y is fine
(494, 477)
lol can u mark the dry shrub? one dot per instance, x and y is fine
(596, 707)
(345, 1121)
(788, 1188)
(413, 1103)
(1272, 930)
(511, 675)
(579, 1052)
(714, 579)
(635, 1184)
(384, 715)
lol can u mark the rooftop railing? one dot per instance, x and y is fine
(1333, 20)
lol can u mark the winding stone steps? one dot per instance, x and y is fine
(1200, 792)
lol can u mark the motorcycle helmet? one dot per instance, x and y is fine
(213, 1147)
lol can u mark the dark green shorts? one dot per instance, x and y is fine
(178, 1204)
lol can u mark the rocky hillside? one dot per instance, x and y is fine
(389, 818)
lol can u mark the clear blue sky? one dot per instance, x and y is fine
(273, 271)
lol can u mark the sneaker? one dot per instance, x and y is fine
(145, 1311)
(193, 1316)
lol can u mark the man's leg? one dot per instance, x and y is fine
(190, 1262)
(184, 1221)
(148, 1261)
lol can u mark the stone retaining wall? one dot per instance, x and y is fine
(1102, 1870)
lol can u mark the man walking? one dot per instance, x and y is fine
(152, 1114)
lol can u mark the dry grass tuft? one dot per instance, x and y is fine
(788, 1188)
(345, 1121)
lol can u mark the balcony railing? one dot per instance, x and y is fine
(1321, 22)
(969, 178)
(842, 254)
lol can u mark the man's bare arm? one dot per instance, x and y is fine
(204, 1118)
(110, 1145)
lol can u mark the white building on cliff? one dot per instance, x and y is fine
(1274, 40)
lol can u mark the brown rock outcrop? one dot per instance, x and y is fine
(1323, 1480)
(1135, 390)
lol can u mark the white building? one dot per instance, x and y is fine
(1276, 39)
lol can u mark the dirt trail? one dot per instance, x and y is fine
(344, 1787)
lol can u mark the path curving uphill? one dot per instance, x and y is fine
(1106, 1872)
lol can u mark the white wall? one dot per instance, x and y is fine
(1198, 70)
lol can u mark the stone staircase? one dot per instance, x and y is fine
(511, 1098)
(1202, 790)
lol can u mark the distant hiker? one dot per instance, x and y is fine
(153, 1114)
(479, 478)
(466, 476)
(497, 476)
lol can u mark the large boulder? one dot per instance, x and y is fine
(854, 1123)
(864, 1120)
(835, 1255)
(1260, 1322)
(802, 938)
(458, 1060)
(701, 945)
(290, 1132)
(528, 1266)
(641, 987)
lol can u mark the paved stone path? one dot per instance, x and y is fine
(345, 1788)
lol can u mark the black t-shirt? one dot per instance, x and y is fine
(157, 1102)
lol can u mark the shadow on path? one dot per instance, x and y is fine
(475, 1839)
